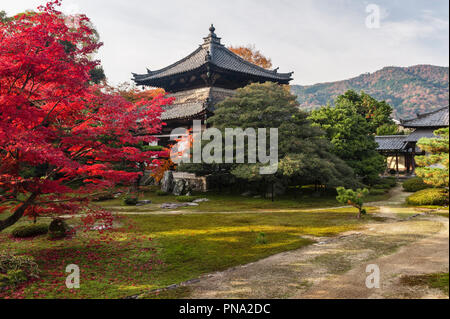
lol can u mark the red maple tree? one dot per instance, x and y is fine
(60, 136)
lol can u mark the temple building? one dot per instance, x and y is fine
(400, 150)
(202, 79)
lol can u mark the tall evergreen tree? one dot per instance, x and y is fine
(351, 130)
(434, 165)
(304, 154)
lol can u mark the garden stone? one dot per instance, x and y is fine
(192, 204)
(167, 182)
(179, 187)
(143, 202)
(169, 206)
(176, 205)
(201, 200)
(248, 193)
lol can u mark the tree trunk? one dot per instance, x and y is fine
(272, 191)
(18, 213)
(359, 213)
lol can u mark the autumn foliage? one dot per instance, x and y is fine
(133, 94)
(250, 54)
(59, 136)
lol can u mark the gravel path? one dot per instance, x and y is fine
(336, 267)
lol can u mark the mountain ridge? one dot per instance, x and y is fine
(409, 90)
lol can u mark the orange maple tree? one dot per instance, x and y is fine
(250, 54)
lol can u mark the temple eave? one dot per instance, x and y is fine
(199, 78)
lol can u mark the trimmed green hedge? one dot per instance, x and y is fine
(376, 191)
(58, 229)
(430, 196)
(152, 148)
(30, 231)
(130, 201)
(385, 183)
(415, 184)
(390, 181)
(161, 193)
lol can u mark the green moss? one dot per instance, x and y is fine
(436, 281)
(30, 230)
(188, 246)
(335, 263)
(181, 292)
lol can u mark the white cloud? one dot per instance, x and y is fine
(319, 40)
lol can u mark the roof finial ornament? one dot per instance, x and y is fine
(212, 29)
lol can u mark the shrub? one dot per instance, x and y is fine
(58, 229)
(386, 183)
(16, 277)
(186, 199)
(130, 200)
(376, 191)
(10, 262)
(153, 148)
(30, 231)
(430, 196)
(161, 193)
(391, 181)
(353, 198)
(261, 239)
(381, 186)
(4, 280)
(414, 184)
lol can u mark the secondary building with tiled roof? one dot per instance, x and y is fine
(400, 150)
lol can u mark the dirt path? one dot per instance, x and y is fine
(336, 267)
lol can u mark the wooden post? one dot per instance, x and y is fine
(407, 162)
(272, 191)
(396, 163)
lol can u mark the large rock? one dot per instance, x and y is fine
(201, 200)
(176, 205)
(179, 187)
(167, 183)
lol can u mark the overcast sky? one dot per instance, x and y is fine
(325, 40)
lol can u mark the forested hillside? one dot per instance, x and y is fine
(408, 89)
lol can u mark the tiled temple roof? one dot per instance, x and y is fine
(215, 54)
(180, 111)
(402, 142)
(434, 119)
(390, 142)
(418, 134)
(189, 103)
(425, 125)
